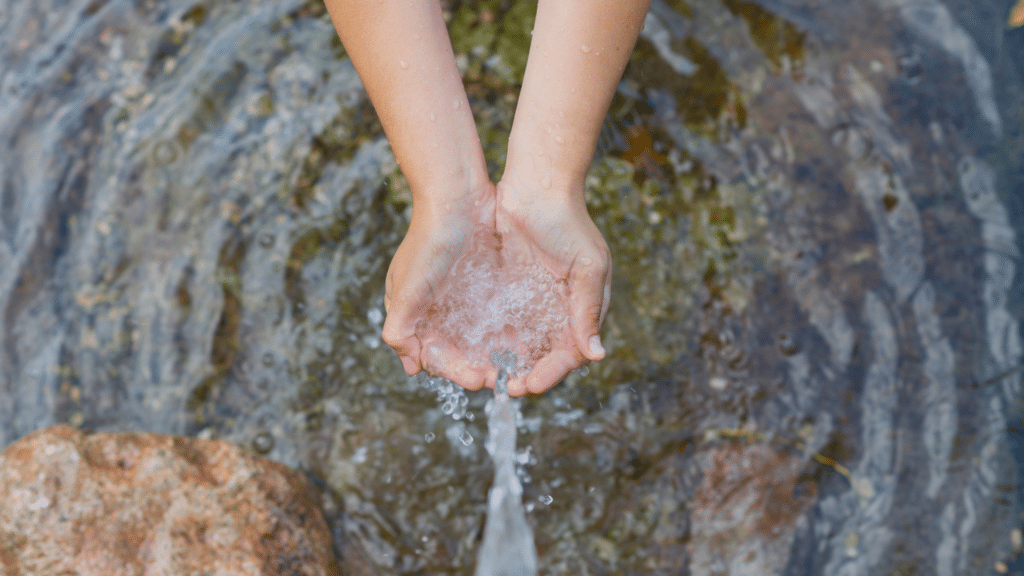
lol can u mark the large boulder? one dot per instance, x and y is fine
(102, 504)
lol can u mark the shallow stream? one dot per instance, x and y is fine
(815, 214)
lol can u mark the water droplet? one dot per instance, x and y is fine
(268, 359)
(540, 153)
(417, 36)
(263, 443)
(572, 90)
(585, 49)
(787, 345)
(433, 118)
(267, 240)
(466, 438)
(546, 499)
(404, 65)
(586, 261)
(560, 139)
(429, 437)
(375, 315)
(456, 104)
(545, 182)
(434, 145)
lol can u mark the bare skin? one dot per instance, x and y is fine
(578, 51)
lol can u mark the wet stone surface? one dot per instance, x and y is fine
(815, 219)
(128, 504)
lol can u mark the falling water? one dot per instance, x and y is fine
(508, 548)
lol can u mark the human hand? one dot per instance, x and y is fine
(540, 224)
(437, 237)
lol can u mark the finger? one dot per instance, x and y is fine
(588, 290)
(606, 298)
(399, 333)
(516, 385)
(550, 370)
(491, 377)
(440, 359)
(410, 365)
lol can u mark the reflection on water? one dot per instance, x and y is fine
(814, 342)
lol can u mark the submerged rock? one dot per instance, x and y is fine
(134, 503)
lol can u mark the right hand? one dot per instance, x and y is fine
(437, 237)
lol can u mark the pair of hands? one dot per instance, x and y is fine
(537, 226)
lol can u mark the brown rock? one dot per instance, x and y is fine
(744, 513)
(148, 504)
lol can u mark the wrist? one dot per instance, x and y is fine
(531, 177)
(463, 198)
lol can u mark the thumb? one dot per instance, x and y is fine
(589, 293)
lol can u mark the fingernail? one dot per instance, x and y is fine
(595, 345)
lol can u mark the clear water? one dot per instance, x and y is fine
(815, 215)
(507, 548)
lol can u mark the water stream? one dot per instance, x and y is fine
(815, 217)
(507, 548)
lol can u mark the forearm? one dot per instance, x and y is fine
(403, 55)
(577, 55)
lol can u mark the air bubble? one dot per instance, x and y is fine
(546, 499)
(429, 437)
(466, 438)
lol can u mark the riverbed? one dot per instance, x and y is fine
(815, 211)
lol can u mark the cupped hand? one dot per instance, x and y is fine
(551, 227)
(437, 237)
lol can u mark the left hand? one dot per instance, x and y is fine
(551, 227)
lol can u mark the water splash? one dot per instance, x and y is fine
(508, 548)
